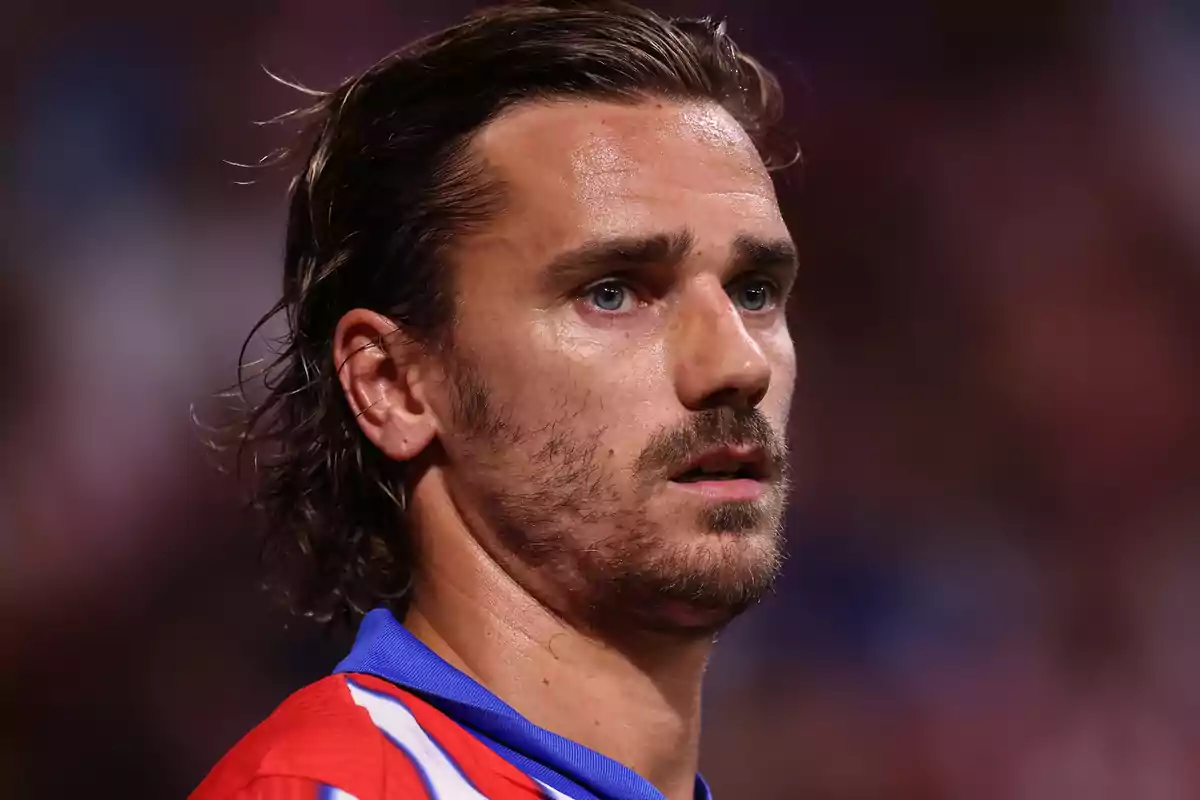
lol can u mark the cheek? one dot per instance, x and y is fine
(624, 362)
(617, 388)
(782, 354)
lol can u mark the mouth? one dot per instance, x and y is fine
(726, 465)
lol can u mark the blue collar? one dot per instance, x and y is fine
(384, 648)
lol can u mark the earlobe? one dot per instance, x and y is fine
(381, 375)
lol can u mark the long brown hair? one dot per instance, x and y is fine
(386, 182)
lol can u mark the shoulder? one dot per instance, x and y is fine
(451, 760)
(357, 737)
(319, 737)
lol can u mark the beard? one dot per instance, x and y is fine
(563, 525)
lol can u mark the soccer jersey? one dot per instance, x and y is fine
(397, 722)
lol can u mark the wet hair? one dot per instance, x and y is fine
(385, 182)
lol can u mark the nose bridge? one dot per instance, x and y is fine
(708, 309)
(717, 360)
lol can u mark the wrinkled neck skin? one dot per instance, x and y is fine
(635, 701)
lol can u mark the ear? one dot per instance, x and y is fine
(381, 373)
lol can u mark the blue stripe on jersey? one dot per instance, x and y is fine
(384, 648)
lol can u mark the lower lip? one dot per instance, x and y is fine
(725, 491)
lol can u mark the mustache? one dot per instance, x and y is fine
(670, 449)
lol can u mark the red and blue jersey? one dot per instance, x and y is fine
(396, 722)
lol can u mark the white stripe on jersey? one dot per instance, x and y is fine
(334, 793)
(390, 716)
(552, 793)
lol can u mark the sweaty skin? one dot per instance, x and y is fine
(558, 564)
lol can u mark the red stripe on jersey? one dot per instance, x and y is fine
(282, 787)
(321, 735)
(483, 767)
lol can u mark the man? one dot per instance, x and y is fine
(530, 410)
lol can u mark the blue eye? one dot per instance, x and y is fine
(754, 295)
(610, 296)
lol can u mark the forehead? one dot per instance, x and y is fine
(577, 170)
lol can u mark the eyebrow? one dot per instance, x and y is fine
(599, 257)
(596, 258)
(777, 257)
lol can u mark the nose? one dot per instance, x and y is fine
(717, 362)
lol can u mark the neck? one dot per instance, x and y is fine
(637, 703)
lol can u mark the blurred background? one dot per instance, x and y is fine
(994, 587)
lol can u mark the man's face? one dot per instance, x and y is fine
(620, 324)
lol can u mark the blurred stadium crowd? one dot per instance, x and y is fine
(994, 582)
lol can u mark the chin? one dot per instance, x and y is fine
(692, 585)
(685, 620)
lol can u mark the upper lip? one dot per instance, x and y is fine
(749, 461)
